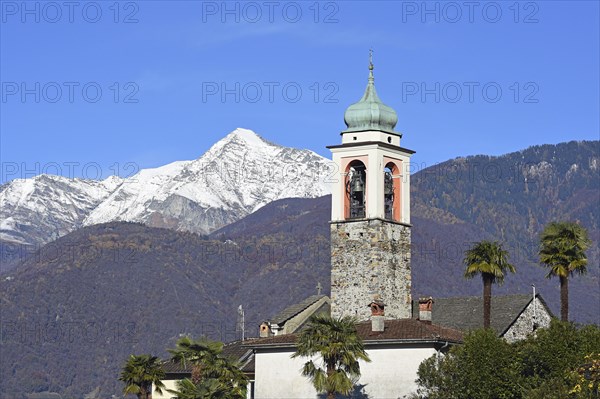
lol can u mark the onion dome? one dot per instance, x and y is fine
(370, 113)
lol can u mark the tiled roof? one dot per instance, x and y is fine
(293, 310)
(408, 330)
(237, 350)
(466, 313)
(248, 367)
(173, 367)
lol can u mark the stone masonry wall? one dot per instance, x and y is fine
(370, 258)
(523, 326)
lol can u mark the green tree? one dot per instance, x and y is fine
(481, 368)
(562, 250)
(139, 373)
(549, 360)
(556, 363)
(490, 260)
(211, 371)
(339, 346)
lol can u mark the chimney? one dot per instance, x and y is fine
(425, 307)
(265, 330)
(377, 315)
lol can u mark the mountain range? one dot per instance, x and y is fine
(74, 309)
(235, 177)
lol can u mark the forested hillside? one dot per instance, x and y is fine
(75, 309)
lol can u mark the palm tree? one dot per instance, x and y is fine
(139, 373)
(199, 354)
(207, 389)
(211, 371)
(562, 250)
(488, 259)
(338, 344)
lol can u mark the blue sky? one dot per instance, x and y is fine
(127, 85)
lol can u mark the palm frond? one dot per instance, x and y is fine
(336, 342)
(562, 248)
(140, 372)
(487, 258)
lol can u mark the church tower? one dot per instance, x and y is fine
(370, 213)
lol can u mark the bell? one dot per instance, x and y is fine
(357, 184)
(389, 189)
(389, 185)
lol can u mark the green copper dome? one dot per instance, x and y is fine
(370, 113)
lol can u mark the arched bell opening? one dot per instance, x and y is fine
(356, 190)
(391, 192)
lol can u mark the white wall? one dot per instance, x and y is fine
(169, 384)
(172, 384)
(277, 376)
(391, 374)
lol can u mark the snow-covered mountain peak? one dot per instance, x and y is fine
(239, 141)
(246, 135)
(236, 176)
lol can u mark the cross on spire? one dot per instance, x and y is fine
(319, 288)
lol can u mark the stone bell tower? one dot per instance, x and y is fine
(370, 213)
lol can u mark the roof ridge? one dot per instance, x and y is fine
(302, 305)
